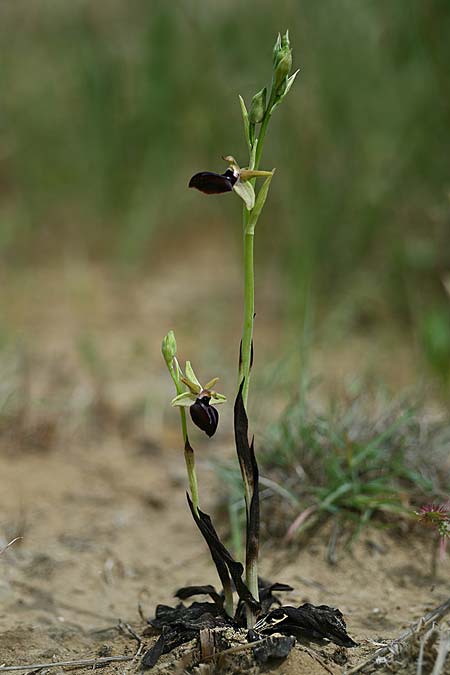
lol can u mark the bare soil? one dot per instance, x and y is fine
(92, 476)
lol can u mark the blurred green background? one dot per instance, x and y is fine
(108, 108)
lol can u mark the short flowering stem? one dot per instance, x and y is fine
(189, 459)
(189, 456)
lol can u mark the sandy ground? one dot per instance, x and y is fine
(92, 478)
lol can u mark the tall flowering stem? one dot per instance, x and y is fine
(260, 114)
(242, 182)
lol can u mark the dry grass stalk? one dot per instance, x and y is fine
(380, 656)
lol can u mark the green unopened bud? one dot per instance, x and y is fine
(258, 107)
(276, 49)
(282, 64)
(169, 347)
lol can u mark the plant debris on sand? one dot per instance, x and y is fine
(273, 636)
(181, 624)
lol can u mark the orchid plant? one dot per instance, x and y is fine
(201, 400)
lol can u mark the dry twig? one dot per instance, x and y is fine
(393, 648)
(422, 646)
(317, 658)
(443, 652)
(81, 663)
(125, 628)
(10, 543)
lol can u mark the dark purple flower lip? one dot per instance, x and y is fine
(204, 415)
(214, 183)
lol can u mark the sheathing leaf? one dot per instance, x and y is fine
(250, 473)
(223, 560)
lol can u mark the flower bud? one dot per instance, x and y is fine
(258, 107)
(282, 63)
(276, 49)
(169, 347)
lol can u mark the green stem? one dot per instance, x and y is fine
(251, 566)
(189, 456)
(249, 309)
(189, 459)
(261, 137)
(249, 274)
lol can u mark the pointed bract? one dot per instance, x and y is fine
(258, 107)
(183, 400)
(246, 122)
(246, 192)
(190, 375)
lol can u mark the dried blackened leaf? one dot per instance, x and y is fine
(163, 616)
(181, 615)
(277, 586)
(266, 593)
(251, 354)
(189, 591)
(178, 635)
(152, 655)
(181, 624)
(241, 436)
(266, 598)
(252, 636)
(221, 567)
(222, 558)
(275, 647)
(252, 548)
(249, 470)
(329, 621)
(312, 622)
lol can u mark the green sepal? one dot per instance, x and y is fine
(246, 122)
(216, 398)
(248, 174)
(276, 49)
(184, 400)
(246, 192)
(258, 107)
(191, 379)
(280, 97)
(253, 154)
(209, 385)
(290, 81)
(178, 371)
(259, 203)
